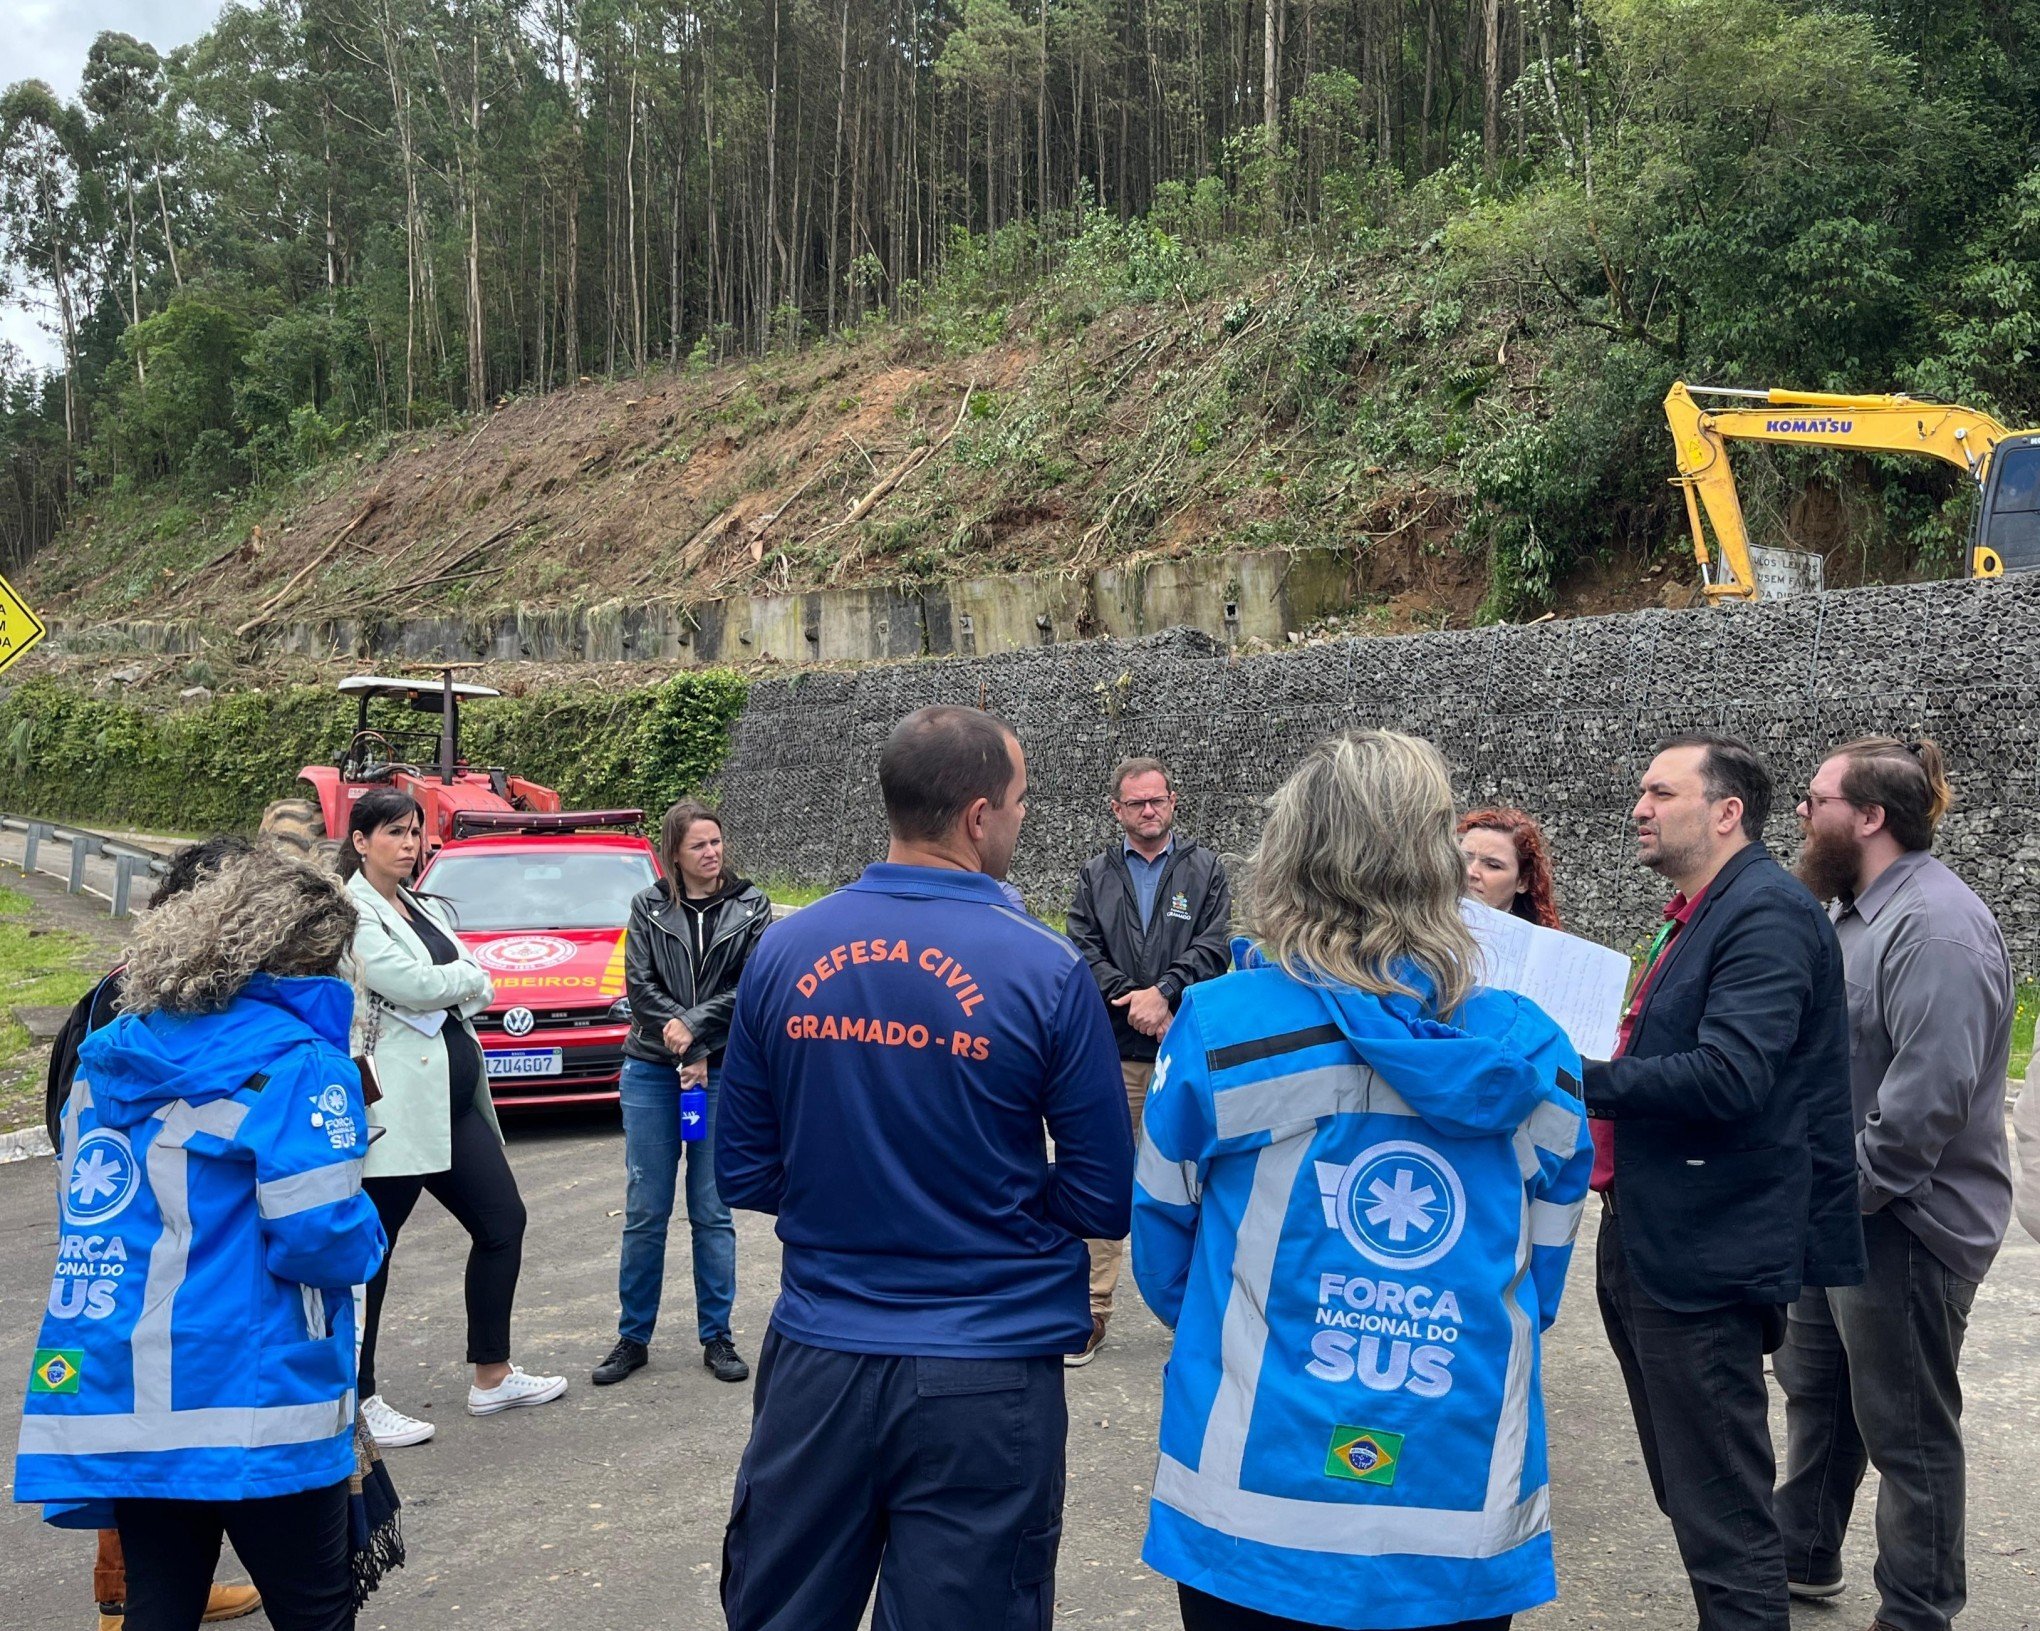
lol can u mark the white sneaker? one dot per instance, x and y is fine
(515, 1389)
(392, 1429)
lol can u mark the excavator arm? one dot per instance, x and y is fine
(1868, 424)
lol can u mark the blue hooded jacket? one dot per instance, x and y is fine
(199, 1338)
(1357, 1220)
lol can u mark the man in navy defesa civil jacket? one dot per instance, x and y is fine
(896, 1051)
(1726, 1161)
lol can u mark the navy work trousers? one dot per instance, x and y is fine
(940, 1479)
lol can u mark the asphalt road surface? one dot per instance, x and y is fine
(604, 1511)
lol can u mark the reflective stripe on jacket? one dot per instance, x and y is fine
(198, 1341)
(1358, 1221)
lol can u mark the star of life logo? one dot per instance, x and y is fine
(329, 1114)
(103, 1178)
(1398, 1203)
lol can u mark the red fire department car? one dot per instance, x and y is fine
(543, 903)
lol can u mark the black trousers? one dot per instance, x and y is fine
(1202, 1612)
(1696, 1388)
(480, 1191)
(295, 1548)
(1869, 1378)
(941, 1479)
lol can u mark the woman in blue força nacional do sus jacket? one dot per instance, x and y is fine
(195, 1370)
(1356, 1197)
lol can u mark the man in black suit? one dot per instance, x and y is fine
(1724, 1154)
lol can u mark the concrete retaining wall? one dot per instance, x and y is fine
(1559, 718)
(1247, 594)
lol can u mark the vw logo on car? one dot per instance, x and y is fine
(519, 1021)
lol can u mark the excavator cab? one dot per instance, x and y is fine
(2007, 537)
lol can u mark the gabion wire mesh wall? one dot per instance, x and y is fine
(1559, 718)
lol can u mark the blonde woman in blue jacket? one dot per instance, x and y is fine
(1354, 1204)
(439, 1135)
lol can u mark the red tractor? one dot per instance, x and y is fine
(425, 761)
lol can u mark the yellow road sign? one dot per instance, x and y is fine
(20, 628)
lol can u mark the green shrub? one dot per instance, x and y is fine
(72, 756)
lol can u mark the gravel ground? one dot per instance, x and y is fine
(604, 1512)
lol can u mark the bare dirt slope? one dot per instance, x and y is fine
(1037, 438)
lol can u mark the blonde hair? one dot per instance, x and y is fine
(1358, 873)
(267, 912)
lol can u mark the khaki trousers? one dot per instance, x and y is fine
(1105, 1254)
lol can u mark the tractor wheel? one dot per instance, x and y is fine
(297, 824)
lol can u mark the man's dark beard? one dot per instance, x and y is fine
(1828, 864)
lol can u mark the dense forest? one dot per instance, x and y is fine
(329, 220)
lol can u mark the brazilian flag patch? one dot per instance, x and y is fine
(56, 1370)
(1364, 1455)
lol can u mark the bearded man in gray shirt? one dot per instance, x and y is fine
(1869, 1371)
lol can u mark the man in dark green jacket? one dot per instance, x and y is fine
(1151, 916)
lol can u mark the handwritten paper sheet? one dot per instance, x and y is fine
(1579, 983)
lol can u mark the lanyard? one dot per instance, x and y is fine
(1651, 954)
(1657, 945)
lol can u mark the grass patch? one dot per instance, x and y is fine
(38, 968)
(793, 892)
(2022, 1029)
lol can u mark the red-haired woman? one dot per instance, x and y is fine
(1506, 864)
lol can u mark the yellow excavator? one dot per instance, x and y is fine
(2004, 464)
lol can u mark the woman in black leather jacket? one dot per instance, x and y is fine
(690, 935)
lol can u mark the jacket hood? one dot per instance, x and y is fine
(141, 1062)
(1464, 1083)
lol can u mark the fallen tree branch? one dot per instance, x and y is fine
(907, 466)
(375, 503)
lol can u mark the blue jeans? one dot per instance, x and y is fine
(652, 1153)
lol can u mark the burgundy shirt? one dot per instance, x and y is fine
(1678, 912)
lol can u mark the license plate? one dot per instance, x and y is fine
(525, 1062)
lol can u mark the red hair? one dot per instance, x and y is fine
(1537, 899)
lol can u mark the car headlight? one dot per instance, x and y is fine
(620, 1009)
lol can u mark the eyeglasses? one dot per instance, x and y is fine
(1144, 804)
(1810, 800)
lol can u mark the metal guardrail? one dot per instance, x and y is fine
(129, 861)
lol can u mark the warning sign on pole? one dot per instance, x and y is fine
(20, 628)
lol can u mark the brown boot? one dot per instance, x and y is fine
(231, 1602)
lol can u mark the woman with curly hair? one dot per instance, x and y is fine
(1507, 866)
(194, 1376)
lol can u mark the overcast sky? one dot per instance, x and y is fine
(47, 40)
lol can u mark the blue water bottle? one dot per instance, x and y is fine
(693, 1113)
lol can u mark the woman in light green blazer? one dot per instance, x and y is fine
(435, 1128)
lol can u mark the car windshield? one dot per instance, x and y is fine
(527, 890)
